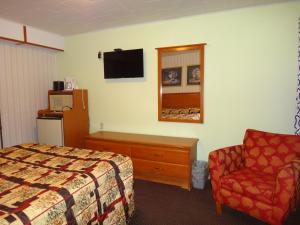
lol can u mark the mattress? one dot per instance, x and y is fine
(42, 184)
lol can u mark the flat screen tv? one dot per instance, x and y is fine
(123, 64)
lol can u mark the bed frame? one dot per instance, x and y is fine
(181, 100)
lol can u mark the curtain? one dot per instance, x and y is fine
(1, 142)
(26, 75)
(297, 116)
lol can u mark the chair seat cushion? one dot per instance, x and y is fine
(253, 184)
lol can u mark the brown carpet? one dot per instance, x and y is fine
(159, 204)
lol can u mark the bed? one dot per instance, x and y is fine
(181, 106)
(43, 184)
(181, 113)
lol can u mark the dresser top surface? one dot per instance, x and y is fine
(144, 139)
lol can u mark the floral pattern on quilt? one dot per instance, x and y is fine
(181, 113)
(42, 184)
(265, 190)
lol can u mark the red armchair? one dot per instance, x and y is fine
(260, 177)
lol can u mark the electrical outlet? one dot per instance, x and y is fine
(101, 126)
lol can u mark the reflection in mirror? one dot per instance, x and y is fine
(180, 90)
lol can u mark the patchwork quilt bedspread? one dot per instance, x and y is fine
(181, 113)
(42, 184)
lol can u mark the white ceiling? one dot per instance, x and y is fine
(67, 17)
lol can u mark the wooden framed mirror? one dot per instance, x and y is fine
(181, 83)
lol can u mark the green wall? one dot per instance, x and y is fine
(250, 74)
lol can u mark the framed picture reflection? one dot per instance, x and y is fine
(193, 75)
(171, 76)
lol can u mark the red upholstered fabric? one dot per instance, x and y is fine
(252, 184)
(260, 177)
(221, 163)
(268, 152)
(255, 208)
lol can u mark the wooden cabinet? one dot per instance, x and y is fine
(75, 118)
(155, 158)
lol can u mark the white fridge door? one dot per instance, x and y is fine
(50, 131)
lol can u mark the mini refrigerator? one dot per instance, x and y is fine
(50, 130)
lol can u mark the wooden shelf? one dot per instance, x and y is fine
(27, 35)
(75, 120)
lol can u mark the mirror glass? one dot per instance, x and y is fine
(180, 83)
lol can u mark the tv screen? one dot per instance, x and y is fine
(123, 64)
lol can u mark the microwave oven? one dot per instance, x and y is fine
(59, 103)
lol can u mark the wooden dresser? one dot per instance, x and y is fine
(155, 158)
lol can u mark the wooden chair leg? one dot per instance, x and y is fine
(219, 208)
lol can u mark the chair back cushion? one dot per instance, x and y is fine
(268, 152)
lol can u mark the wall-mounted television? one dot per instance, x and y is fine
(124, 64)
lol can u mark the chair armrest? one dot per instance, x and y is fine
(287, 191)
(223, 162)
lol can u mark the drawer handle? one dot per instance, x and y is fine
(157, 155)
(157, 168)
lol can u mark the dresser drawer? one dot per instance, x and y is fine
(161, 154)
(108, 146)
(155, 158)
(157, 168)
